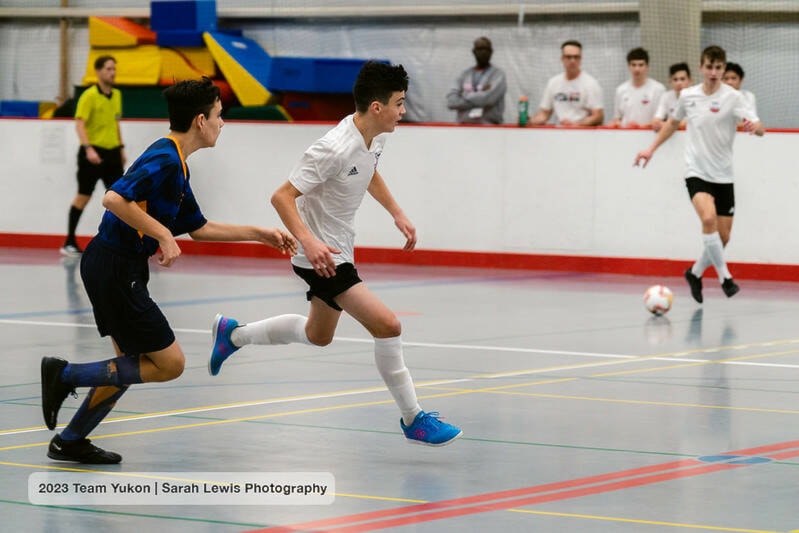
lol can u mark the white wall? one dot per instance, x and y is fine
(506, 189)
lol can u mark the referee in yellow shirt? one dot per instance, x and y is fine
(101, 155)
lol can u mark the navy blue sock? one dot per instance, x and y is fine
(117, 371)
(88, 416)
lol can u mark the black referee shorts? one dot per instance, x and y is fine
(109, 170)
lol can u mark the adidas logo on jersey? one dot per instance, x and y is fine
(353, 172)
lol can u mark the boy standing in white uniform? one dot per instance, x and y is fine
(637, 98)
(713, 110)
(318, 205)
(574, 96)
(679, 79)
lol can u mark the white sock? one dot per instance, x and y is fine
(391, 365)
(701, 264)
(715, 251)
(283, 329)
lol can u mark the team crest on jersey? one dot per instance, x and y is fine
(570, 97)
(715, 106)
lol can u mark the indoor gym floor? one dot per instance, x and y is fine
(580, 411)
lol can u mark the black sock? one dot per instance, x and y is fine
(74, 217)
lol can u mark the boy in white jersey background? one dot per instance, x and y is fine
(734, 77)
(712, 110)
(637, 98)
(679, 79)
(318, 205)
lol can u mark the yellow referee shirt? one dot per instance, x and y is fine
(100, 114)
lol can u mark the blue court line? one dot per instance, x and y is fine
(272, 296)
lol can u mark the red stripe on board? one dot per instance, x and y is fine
(454, 258)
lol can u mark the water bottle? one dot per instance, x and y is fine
(523, 110)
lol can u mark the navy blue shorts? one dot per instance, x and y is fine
(326, 289)
(723, 194)
(109, 170)
(117, 288)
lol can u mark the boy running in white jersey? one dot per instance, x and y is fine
(712, 109)
(318, 205)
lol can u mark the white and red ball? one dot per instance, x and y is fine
(658, 299)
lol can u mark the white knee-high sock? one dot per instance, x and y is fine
(715, 251)
(283, 329)
(701, 264)
(391, 365)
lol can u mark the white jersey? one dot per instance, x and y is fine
(712, 121)
(749, 96)
(637, 104)
(332, 176)
(572, 100)
(667, 104)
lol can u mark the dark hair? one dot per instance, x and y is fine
(638, 54)
(377, 81)
(187, 99)
(571, 42)
(713, 54)
(735, 67)
(100, 61)
(676, 67)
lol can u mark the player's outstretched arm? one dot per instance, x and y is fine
(220, 231)
(663, 135)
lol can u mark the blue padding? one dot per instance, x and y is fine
(314, 75)
(19, 108)
(170, 15)
(179, 38)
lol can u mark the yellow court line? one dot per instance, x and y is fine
(431, 383)
(645, 402)
(240, 419)
(646, 522)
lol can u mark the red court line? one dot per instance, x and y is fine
(514, 497)
(478, 498)
(545, 498)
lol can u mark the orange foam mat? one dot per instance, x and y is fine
(116, 32)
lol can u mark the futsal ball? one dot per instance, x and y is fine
(657, 299)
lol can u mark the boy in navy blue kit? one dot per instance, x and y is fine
(146, 208)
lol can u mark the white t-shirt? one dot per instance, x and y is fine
(637, 104)
(666, 105)
(332, 176)
(572, 99)
(712, 121)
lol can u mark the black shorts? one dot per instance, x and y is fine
(117, 288)
(723, 194)
(109, 170)
(326, 289)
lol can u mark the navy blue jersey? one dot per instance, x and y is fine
(158, 181)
